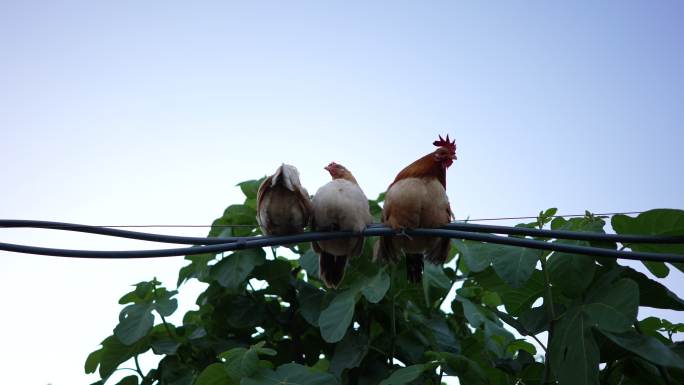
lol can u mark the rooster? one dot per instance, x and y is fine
(417, 198)
(340, 205)
(283, 205)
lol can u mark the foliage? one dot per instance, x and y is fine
(265, 317)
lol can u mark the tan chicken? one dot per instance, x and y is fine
(340, 205)
(283, 205)
(417, 199)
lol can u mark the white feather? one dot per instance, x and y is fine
(341, 205)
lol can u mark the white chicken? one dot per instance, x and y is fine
(340, 205)
(283, 205)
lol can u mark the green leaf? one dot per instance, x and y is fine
(523, 345)
(590, 224)
(310, 301)
(491, 299)
(376, 287)
(93, 361)
(234, 215)
(652, 222)
(135, 321)
(535, 320)
(571, 273)
(161, 342)
(197, 268)
(547, 215)
(172, 371)
(614, 307)
(309, 262)
(115, 353)
(336, 318)
(290, 374)
(214, 374)
(647, 347)
(433, 275)
(652, 293)
(442, 337)
(233, 362)
(164, 304)
(659, 269)
(435, 283)
(241, 362)
(473, 313)
(476, 255)
(650, 324)
(574, 353)
(516, 300)
(404, 375)
(128, 380)
(349, 353)
(375, 210)
(232, 270)
(679, 266)
(467, 370)
(514, 264)
(250, 187)
(278, 274)
(249, 363)
(322, 365)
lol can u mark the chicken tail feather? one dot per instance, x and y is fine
(331, 268)
(414, 267)
(385, 251)
(438, 255)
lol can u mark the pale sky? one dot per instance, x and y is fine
(149, 112)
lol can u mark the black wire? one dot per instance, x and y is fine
(564, 234)
(265, 241)
(162, 238)
(558, 234)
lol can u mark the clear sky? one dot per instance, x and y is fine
(149, 112)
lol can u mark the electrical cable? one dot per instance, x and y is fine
(266, 241)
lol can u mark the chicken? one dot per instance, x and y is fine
(417, 199)
(340, 205)
(283, 205)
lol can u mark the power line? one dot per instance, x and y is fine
(470, 227)
(552, 216)
(59, 225)
(475, 233)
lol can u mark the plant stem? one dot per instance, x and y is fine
(546, 379)
(371, 347)
(137, 367)
(393, 320)
(166, 325)
(453, 282)
(539, 342)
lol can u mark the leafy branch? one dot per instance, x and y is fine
(377, 328)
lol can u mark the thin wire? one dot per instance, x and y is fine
(59, 225)
(552, 216)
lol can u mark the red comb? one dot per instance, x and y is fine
(451, 145)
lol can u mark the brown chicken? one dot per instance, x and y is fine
(417, 199)
(340, 205)
(283, 205)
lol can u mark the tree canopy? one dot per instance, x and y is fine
(265, 317)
